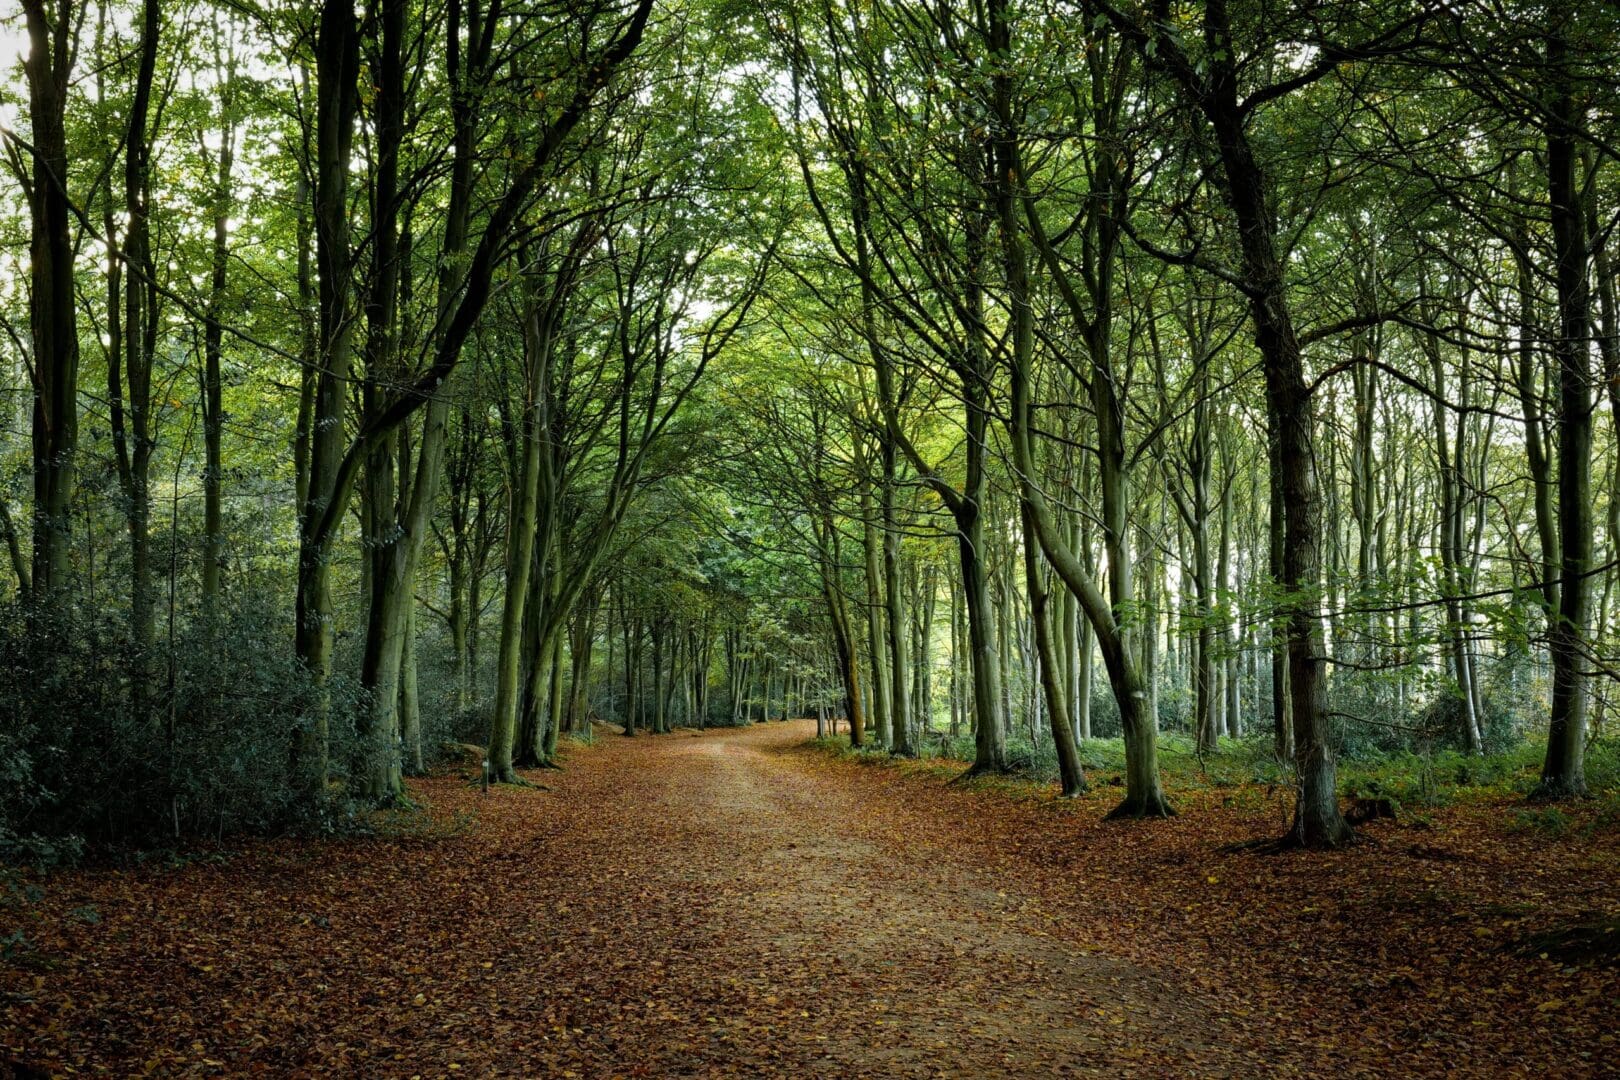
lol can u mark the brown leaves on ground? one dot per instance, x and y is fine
(734, 904)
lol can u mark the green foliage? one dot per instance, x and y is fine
(1406, 778)
(1548, 821)
(209, 754)
(1105, 716)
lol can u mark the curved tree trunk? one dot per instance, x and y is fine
(1071, 774)
(1144, 795)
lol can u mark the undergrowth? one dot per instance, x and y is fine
(1412, 781)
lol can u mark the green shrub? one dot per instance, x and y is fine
(208, 754)
(1548, 821)
(1105, 715)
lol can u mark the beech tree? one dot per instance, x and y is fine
(408, 381)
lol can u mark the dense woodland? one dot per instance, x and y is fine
(995, 378)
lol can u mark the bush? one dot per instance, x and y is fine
(1105, 716)
(208, 754)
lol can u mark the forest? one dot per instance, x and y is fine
(1201, 418)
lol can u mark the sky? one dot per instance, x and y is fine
(13, 48)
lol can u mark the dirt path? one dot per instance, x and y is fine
(732, 904)
(677, 906)
(869, 949)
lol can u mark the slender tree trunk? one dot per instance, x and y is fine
(958, 705)
(843, 633)
(634, 652)
(923, 608)
(902, 744)
(52, 318)
(1450, 546)
(133, 434)
(1195, 515)
(660, 718)
(337, 63)
(554, 701)
(1071, 775)
(1563, 773)
(520, 539)
(1230, 589)
(1535, 434)
(410, 705)
(213, 342)
(458, 628)
(876, 633)
(1318, 822)
(536, 661)
(580, 646)
(989, 732)
(1282, 712)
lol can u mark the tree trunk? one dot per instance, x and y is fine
(554, 701)
(1563, 773)
(337, 65)
(52, 317)
(1282, 712)
(1071, 775)
(843, 634)
(1317, 821)
(213, 342)
(989, 732)
(902, 743)
(1450, 546)
(876, 634)
(582, 640)
(660, 719)
(520, 537)
(410, 705)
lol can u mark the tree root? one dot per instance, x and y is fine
(1552, 791)
(1135, 808)
(514, 780)
(977, 770)
(1293, 841)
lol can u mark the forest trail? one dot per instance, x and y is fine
(870, 948)
(689, 905)
(734, 903)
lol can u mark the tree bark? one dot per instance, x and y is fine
(1563, 772)
(1071, 774)
(337, 62)
(876, 632)
(902, 743)
(53, 328)
(520, 537)
(213, 341)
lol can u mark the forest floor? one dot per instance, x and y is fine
(738, 903)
